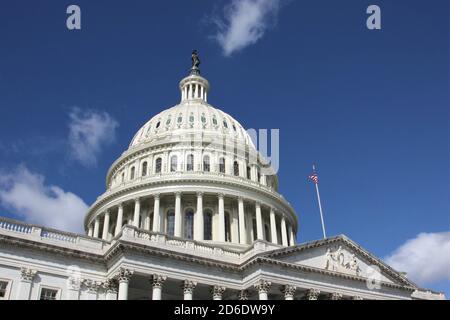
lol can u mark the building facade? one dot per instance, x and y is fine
(191, 211)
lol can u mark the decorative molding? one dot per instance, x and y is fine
(243, 295)
(217, 292)
(336, 296)
(124, 275)
(74, 283)
(312, 294)
(91, 285)
(336, 260)
(262, 286)
(111, 285)
(27, 274)
(158, 280)
(288, 290)
(188, 286)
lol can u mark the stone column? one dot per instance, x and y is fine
(188, 289)
(288, 292)
(284, 232)
(91, 231)
(92, 288)
(217, 292)
(156, 215)
(312, 294)
(263, 287)
(73, 288)
(27, 276)
(221, 218)
(111, 287)
(96, 227)
(178, 219)
(124, 279)
(336, 296)
(106, 226)
(137, 212)
(157, 284)
(291, 236)
(241, 217)
(119, 219)
(243, 295)
(198, 225)
(259, 225)
(273, 227)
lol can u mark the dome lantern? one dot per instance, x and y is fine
(194, 86)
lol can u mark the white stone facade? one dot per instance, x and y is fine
(191, 211)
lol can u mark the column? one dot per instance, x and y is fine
(198, 225)
(124, 279)
(273, 226)
(312, 294)
(336, 296)
(243, 295)
(91, 230)
(221, 218)
(137, 212)
(156, 216)
(217, 292)
(188, 289)
(27, 276)
(242, 231)
(157, 284)
(291, 236)
(178, 219)
(106, 225)
(91, 288)
(259, 226)
(288, 292)
(110, 287)
(96, 227)
(283, 232)
(119, 219)
(263, 287)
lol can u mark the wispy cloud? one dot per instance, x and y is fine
(425, 258)
(244, 23)
(89, 132)
(30, 198)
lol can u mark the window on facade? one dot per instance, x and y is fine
(144, 169)
(170, 223)
(158, 124)
(267, 233)
(191, 118)
(254, 229)
(3, 288)
(222, 165)
(227, 227)
(158, 164)
(123, 177)
(225, 124)
(48, 294)
(259, 174)
(206, 164)
(168, 121)
(249, 172)
(189, 224)
(132, 172)
(190, 162)
(203, 118)
(207, 225)
(214, 120)
(236, 168)
(173, 163)
(180, 118)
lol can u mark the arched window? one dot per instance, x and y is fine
(267, 233)
(249, 172)
(170, 226)
(158, 164)
(189, 224)
(132, 173)
(227, 227)
(173, 163)
(144, 169)
(206, 164)
(190, 162)
(222, 165)
(207, 225)
(236, 168)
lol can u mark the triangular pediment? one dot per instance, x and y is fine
(342, 256)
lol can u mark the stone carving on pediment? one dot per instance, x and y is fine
(338, 260)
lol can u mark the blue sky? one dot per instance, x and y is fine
(369, 107)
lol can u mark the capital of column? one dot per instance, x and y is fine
(107, 212)
(200, 194)
(288, 290)
(357, 298)
(157, 196)
(217, 291)
(137, 199)
(91, 285)
(243, 295)
(158, 280)
(124, 275)
(74, 283)
(111, 285)
(262, 286)
(221, 195)
(188, 286)
(120, 205)
(336, 296)
(27, 274)
(312, 294)
(258, 205)
(178, 194)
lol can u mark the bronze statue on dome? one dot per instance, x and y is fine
(195, 63)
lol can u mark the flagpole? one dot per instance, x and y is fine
(320, 209)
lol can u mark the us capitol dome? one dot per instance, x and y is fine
(191, 211)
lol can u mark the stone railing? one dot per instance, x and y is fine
(48, 235)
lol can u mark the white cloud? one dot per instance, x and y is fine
(244, 23)
(426, 258)
(26, 194)
(89, 132)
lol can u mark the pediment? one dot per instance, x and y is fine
(343, 256)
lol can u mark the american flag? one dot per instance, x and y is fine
(314, 177)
